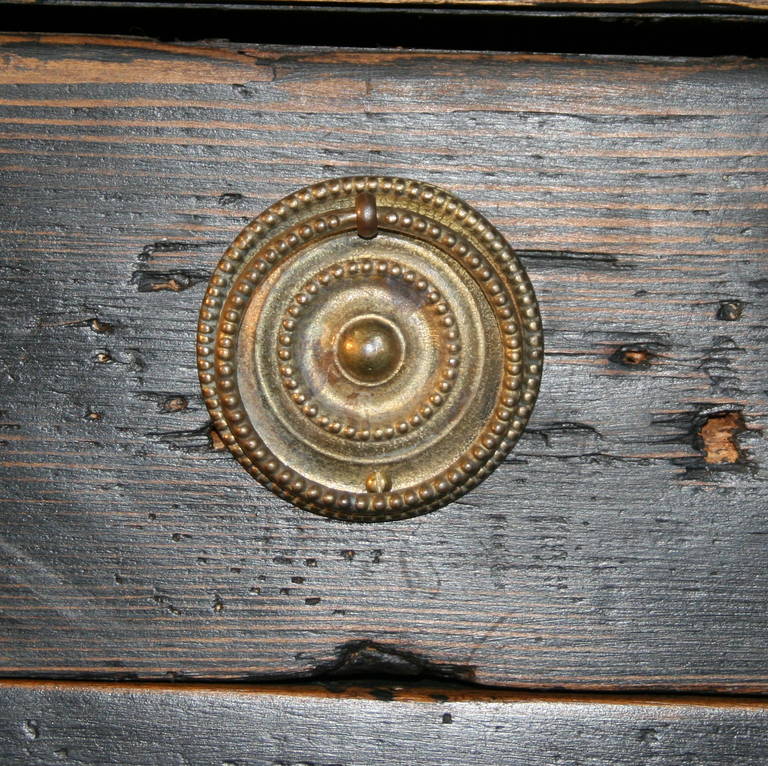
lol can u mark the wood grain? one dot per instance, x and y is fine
(622, 545)
(587, 5)
(702, 5)
(112, 724)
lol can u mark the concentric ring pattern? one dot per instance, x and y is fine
(370, 379)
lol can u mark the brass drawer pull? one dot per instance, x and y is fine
(370, 348)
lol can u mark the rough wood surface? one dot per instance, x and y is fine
(623, 544)
(82, 724)
(702, 5)
(587, 5)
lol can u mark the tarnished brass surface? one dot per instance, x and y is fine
(370, 348)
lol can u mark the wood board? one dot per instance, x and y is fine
(622, 545)
(142, 724)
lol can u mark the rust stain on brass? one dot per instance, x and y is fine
(370, 348)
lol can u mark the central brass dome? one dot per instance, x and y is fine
(370, 350)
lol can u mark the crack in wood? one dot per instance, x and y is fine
(175, 281)
(371, 659)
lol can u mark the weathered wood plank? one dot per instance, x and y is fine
(586, 5)
(110, 724)
(702, 5)
(659, 29)
(621, 545)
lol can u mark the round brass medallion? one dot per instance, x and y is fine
(369, 348)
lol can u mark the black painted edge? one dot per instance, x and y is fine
(646, 31)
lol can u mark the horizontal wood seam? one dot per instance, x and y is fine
(397, 692)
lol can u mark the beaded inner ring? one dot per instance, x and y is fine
(351, 420)
(369, 379)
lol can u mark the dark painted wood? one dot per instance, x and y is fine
(650, 6)
(658, 29)
(623, 542)
(89, 725)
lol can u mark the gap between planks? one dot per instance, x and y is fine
(401, 692)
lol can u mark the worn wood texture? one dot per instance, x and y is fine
(82, 724)
(586, 5)
(623, 544)
(702, 5)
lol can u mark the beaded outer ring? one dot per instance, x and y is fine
(408, 207)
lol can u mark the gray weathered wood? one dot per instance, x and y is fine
(611, 550)
(45, 724)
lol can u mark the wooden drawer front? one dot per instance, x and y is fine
(109, 723)
(622, 544)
